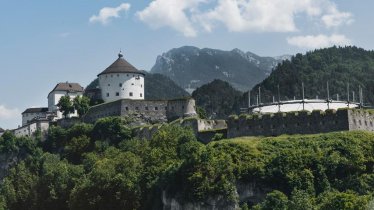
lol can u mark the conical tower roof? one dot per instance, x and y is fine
(120, 66)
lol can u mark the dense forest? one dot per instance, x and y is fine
(102, 166)
(336, 65)
(218, 98)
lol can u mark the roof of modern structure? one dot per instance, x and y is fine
(299, 105)
(68, 87)
(121, 66)
(36, 110)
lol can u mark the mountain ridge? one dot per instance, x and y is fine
(191, 67)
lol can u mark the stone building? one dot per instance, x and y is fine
(122, 89)
(33, 113)
(121, 80)
(29, 129)
(302, 122)
(63, 89)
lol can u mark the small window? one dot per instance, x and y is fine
(127, 108)
(107, 94)
(132, 83)
(108, 84)
(120, 84)
(111, 75)
(156, 108)
(136, 108)
(146, 108)
(130, 93)
(141, 85)
(117, 93)
(127, 74)
(182, 107)
(117, 75)
(141, 95)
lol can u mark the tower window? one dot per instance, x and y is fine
(132, 83)
(156, 108)
(141, 95)
(117, 93)
(108, 84)
(107, 94)
(127, 74)
(141, 85)
(117, 75)
(130, 93)
(146, 108)
(120, 84)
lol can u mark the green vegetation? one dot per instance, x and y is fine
(102, 166)
(65, 105)
(218, 98)
(337, 65)
(81, 104)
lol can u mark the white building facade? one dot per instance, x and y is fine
(121, 80)
(63, 89)
(33, 113)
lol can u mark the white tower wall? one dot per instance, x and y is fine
(115, 86)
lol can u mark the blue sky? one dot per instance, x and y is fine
(49, 41)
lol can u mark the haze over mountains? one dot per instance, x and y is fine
(191, 67)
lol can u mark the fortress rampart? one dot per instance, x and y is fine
(302, 122)
(149, 111)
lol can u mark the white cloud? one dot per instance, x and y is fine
(8, 113)
(190, 16)
(171, 13)
(318, 41)
(335, 18)
(107, 13)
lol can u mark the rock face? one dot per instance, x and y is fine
(245, 192)
(191, 67)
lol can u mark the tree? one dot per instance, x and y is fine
(81, 104)
(65, 105)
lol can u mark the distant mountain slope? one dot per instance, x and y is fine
(191, 67)
(218, 98)
(156, 86)
(338, 65)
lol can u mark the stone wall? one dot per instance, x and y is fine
(361, 120)
(289, 123)
(147, 111)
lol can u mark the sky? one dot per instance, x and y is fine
(44, 42)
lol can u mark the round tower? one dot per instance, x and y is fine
(121, 80)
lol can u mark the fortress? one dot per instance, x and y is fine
(272, 123)
(121, 87)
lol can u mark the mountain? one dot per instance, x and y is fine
(156, 87)
(191, 67)
(218, 98)
(336, 65)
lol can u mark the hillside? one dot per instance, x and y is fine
(337, 65)
(156, 86)
(191, 67)
(102, 166)
(218, 98)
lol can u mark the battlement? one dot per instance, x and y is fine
(302, 122)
